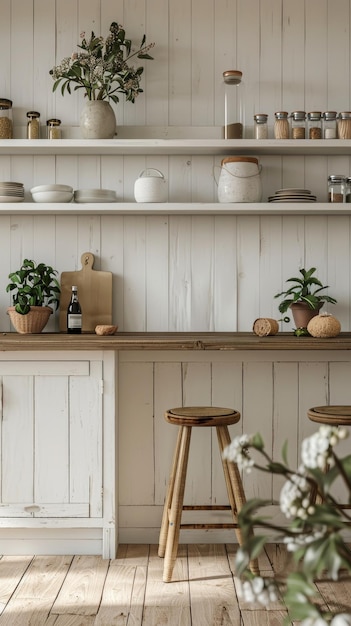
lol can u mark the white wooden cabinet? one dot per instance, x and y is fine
(57, 449)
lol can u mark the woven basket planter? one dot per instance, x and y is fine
(31, 323)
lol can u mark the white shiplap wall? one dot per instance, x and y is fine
(183, 273)
(189, 273)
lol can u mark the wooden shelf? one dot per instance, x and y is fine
(175, 146)
(176, 208)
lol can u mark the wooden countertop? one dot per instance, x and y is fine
(170, 341)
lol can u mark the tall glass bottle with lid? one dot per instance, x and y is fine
(233, 105)
(329, 129)
(314, 125)
(281, 125)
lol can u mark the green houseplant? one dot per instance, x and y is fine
(103, 69)
(33, 288)
(304, 297)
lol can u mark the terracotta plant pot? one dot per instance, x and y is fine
(31, 323)
(302, 313)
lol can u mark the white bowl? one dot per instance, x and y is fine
(52, 188)
(52, 196)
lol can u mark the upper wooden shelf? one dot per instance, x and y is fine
(176, 208)
(177, 146)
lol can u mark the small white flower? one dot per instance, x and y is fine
(237, 451)
(343, 619)
(316, 450)
(262, 590)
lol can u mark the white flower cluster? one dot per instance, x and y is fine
(258, 589)
(293, 543)
(237, 451)
(343, 619)
(295, 496)
(316, 450)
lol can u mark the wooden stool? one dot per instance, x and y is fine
(186, 418)
(333, 415)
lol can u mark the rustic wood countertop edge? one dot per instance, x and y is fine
(226, 341)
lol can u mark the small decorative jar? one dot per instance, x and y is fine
(329, 125)
(53, 129)
(281, 125)
(150, 186)
(314, 125)
(233, 105)
(336, 188)
(344, 125)
(33, 125)
(240, 180)
(298, 125)
(261, 126)
(6, 127)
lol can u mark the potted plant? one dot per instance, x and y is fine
(103, 69)
(304, 297)
(34, 288)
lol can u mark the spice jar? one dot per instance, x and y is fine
(53, 129)
(261, 126)
(329, 125)
(344, 125)
(348, 189)
(281, 125)
(233, 105)
(336, 188)
(33, 125)
(314, 125)
(6, 128)
(298, 125)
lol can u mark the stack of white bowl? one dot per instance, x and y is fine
(95, 195)
(11, 192)
(52, 193)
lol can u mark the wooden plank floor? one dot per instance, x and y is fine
(128, 591)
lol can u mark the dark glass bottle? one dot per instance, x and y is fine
(74, 313)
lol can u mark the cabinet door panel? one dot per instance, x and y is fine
(86, 439)
(51, 442)
(17, 446)
(51, 436)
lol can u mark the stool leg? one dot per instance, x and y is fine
(175, 513)
(234, 485)
(164, 524)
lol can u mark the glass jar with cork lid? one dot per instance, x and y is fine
(6, 127)
(233, 105)
(53, 129)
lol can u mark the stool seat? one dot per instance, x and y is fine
(333, 415)
(202, 416)
(186, 418)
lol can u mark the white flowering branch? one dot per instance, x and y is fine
(314, 530)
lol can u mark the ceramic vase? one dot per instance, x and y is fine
(97, 120)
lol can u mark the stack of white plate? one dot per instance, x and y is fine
(52, 193)
(292, 195)
(11, 192)
(95, 195)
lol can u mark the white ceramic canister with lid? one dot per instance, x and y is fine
(150, 186)
(240, 180)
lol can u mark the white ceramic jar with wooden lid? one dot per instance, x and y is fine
(240, 180)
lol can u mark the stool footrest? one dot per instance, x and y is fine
(207, 526)
(207, 507)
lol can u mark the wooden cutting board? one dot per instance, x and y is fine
(94, 294)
